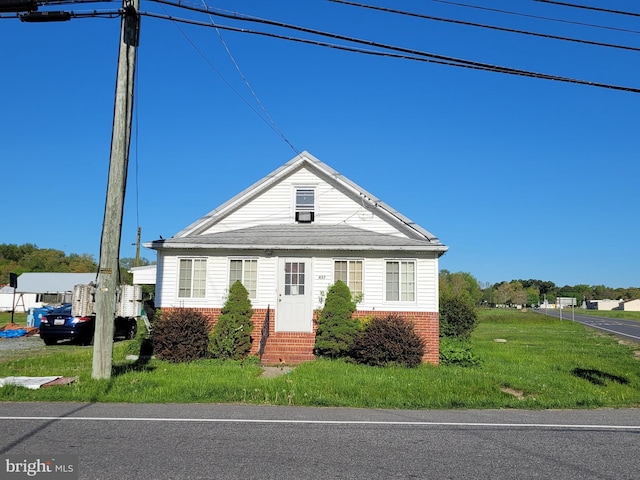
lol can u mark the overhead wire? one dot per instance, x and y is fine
(175, 21)
(87, 14)
(274, 125)
(415, 55)
(588, 7)
(407, 53)
(538, 17)
(481, 25)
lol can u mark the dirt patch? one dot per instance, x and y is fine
(271, 372)
(519, 394)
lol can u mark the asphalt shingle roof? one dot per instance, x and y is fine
(305, 236)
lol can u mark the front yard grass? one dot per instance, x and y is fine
(537, 362)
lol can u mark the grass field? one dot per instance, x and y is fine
(537, 362)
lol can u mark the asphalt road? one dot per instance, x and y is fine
(628, 329)
(143, 441)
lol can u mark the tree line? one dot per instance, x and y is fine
(25, 258)
(525, 292)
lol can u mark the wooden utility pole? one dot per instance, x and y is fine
(109, 269)
(138, 246)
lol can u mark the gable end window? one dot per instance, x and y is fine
(245, 270)
(305, 209)
(400, 281)
(350, 273)
(192, 278)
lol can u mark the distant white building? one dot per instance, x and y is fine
(631, 305)
(603, 304)
(144, 275)
(36, 289)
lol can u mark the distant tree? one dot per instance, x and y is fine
(46, 260)
(503, 294)
(533, 296)
(29, 258)
(13, 252)
(79, 263)
(460, 284)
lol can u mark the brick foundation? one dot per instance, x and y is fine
(292, 348)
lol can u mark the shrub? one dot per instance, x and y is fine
(457, 352)
(336, 326)
(458, 317)
(389, 340)
(180, 335)
(231, 337)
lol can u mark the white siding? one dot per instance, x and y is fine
(267, 283)
(374, 282)
(275, 207)
(322, 278)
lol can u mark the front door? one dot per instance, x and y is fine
(295, 306)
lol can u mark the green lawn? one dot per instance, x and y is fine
(539, 362)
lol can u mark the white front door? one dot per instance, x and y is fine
(295, 302)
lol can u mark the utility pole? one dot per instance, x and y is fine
(138, 246)
(109, 268)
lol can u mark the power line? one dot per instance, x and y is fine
(415, 56)
(481, 25)
(175, 21)
(274, 125)
(399, 52)
(88, 14)
(586, 7)
(538, 17)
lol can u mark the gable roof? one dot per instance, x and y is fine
(301, 236)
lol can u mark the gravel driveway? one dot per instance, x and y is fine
(21, 343)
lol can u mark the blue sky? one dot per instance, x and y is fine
(520, 177)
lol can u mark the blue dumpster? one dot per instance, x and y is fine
(38, 313)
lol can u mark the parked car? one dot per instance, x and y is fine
(60, 324)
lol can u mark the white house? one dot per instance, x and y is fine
(288, 237)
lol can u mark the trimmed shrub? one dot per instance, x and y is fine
(458, 353)
(231, 337)
(180, 335)
(458, 317)
(389, 340)
(337, 328)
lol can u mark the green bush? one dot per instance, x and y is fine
(231, 337)
(389, 340)
(457, 352)
(180, 335)
(337, 328)
(458, 317)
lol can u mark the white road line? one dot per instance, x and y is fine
(615, 331)
(329, 422)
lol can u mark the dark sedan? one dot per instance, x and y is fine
(60, 324)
